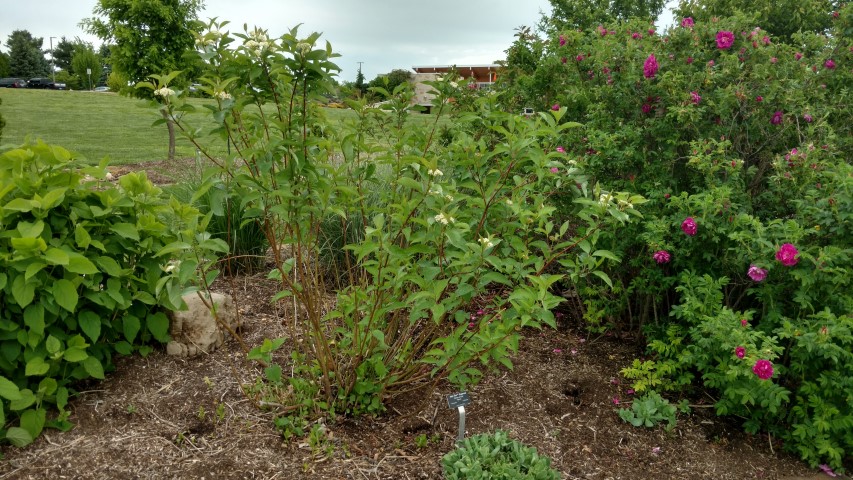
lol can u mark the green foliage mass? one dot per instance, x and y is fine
(496, 456)
(86, 59)
(782, 19)
(26, 58)
(584, 14)
(391, 80)
(5, 67)
(84, 274)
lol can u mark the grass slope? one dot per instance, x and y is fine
(98, 125)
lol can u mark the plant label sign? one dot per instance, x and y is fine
(457, 400)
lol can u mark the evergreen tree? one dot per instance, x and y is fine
(359, 82)
(26, 58)
(62, 53)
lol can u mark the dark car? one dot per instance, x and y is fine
(12, 83)
(42, 82)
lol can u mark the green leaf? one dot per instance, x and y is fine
(55, 256)
(51, 199)
(33, 269)
(33, 421)
(90, 323)
(36, 367)
(30, 230)
(75, 354)
(27, 399)
(61, 398)
(123, 348)
(19, 437)
(109, 265)
(126, 230)
(19, 205)
(82, 237)
(34, 318)
(9, 390)
(93, 367)
(3, 280)
(130, 327)
(82, 265)
(65, 294)
(273, 373)
(158, 325)
(53, 345)
(22, 291)
(47, 386)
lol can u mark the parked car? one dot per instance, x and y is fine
(101, 89)
(13, 83)
(43, 82)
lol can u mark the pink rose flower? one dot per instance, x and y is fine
(555, 107)
(650, 67)
(757, 274)
(787, 254)
(743, 322)
(661, 256)
(763, 369)
(561, 149)
(554, 170)
(725, 39)
(562, 40)
(798, 55)
(740, 352)
(829, 64)
(777, 118)
(694, 96)
(688, 226)
(687, 22)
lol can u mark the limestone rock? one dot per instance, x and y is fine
(195, 329)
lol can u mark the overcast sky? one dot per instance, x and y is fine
(384, 34)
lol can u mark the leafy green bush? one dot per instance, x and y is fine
(86, 269)
(496, 456)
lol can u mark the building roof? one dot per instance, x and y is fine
(473, 69)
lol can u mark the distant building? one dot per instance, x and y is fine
(485, 75)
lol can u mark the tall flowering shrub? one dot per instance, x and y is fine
(448, 249)
(742, 144)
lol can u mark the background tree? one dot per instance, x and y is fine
(591, 13)
(5, 68)
(63, 52)
(148, 37)
(393, 78)
(359, 84)
(26, 58)
(85, 59)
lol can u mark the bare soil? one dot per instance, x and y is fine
(164, 417)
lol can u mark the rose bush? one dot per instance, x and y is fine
(742, 142)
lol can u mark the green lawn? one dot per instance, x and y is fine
(98, 125)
